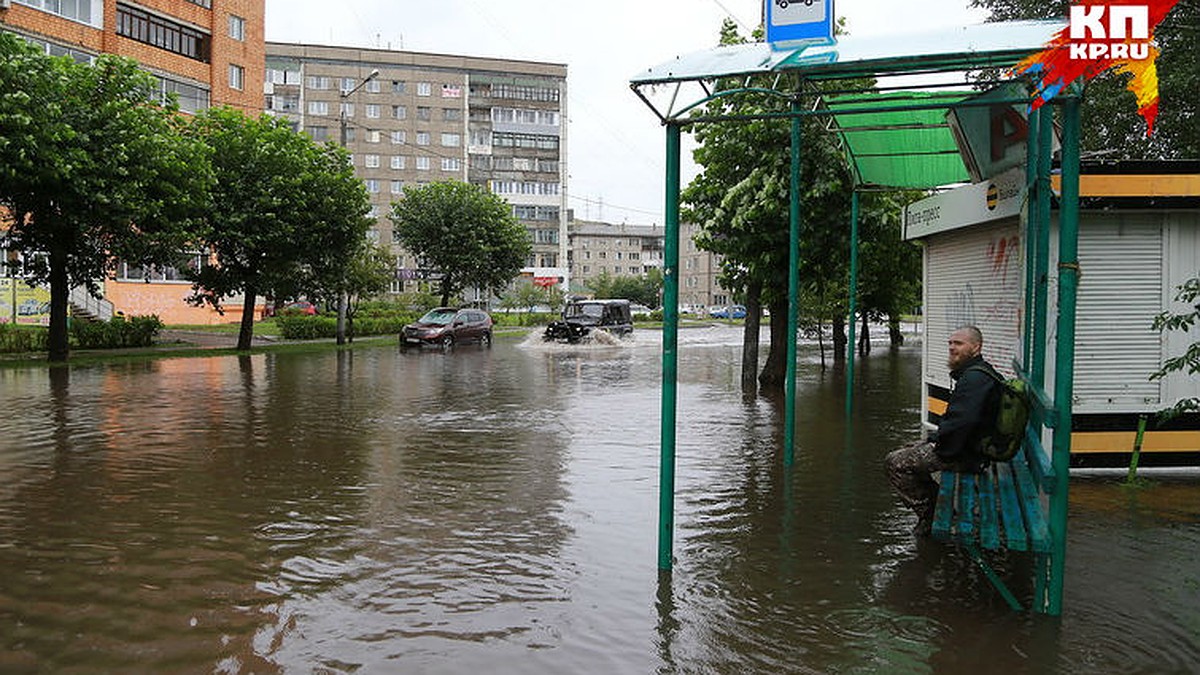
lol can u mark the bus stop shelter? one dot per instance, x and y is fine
(887, 98)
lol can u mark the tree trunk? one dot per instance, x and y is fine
(838, 326)
(60, 291)
(774, 371)
(864, 340)
(894, 333)
(750, 337)
(821, 343)
(446, 291)
(246, 329)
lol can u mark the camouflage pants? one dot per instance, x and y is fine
(911, 468)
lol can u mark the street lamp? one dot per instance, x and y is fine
(343, 300)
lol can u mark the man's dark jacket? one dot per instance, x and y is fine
(970, 414)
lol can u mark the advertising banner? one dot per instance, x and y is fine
(7, 308)
(32, 305)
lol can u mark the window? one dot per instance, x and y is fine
(191, 98)
(452, 114)
(451, 140)
(237, 28)
(237, 77)
(347, 109)
(347, 84)
(399, 137)
(373, 86)
(397, 87)
(320, 108)
(157, 31)
(79, 10)
(424, 113)
(167, 273)
(424, 89)
(318, 134)
(397, 187)
(451, 164)
(372, 186)
(371, 161)
(372, 111)
(545, 236)
(373, 136)
(397, 162)
(422, 138)
(399, 112)
(319, 83)
(422, 164)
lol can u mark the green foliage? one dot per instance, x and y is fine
(464, 232)
(287, 215)
(94, 171)
(645, 290)
(318, 327)
(116, 333)
(1189, 362)
(307, 327)
(527, 296)
(1111, 125)
(523, 319)
(16, 339)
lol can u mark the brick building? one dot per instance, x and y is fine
(206, 52)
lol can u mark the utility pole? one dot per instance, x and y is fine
(343, 300)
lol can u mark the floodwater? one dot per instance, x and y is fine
(496, 511)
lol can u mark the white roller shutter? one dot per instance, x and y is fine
(974, 276)
(1120, 292)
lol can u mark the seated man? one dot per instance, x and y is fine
(970, 414)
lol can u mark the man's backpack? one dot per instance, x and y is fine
(1012, 415)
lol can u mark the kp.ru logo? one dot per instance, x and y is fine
(1116, 32)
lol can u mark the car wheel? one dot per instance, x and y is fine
(447, 342)
(486, 339)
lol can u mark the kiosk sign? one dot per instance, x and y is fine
(793, 23)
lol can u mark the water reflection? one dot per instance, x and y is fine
(381, 511)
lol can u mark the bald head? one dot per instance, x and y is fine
(966, 342)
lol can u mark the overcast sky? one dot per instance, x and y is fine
(615, 145)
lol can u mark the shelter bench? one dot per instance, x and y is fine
(1004, 507)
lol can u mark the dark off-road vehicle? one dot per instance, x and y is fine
(582, 317)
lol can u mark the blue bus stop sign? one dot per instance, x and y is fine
(792, 23)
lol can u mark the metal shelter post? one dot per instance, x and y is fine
(1041, 258)
(853, 301)
(789, 415)
(1064, 364)
(670, 356)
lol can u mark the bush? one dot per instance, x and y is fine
(523, 319)
(16, 339)
(116, 333)
(307, 327)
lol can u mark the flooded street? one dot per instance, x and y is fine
(496, 511)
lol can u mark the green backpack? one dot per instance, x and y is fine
(1012, 415)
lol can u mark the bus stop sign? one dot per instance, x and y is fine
(793, 23)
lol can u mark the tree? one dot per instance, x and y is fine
(1189, 361)
(462, 231)
(287, 215)
(645, 289)
(369, 273)
(93, 171)
(1111, 125)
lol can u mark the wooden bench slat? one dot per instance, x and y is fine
(1014, 524)
(967, 514)
(1031, 503)
(989, 527)
(944, 512)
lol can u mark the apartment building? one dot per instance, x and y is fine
(206, 52)
(411, 118)
(596, 248)
(698, 273)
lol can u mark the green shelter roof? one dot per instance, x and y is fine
(895, 135)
